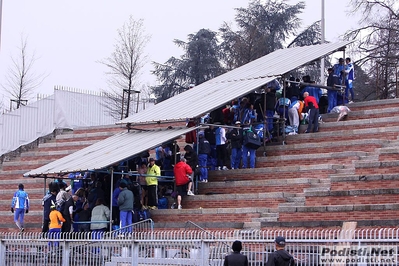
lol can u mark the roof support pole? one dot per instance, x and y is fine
(283, 120)
(110, 203)
(264, 122)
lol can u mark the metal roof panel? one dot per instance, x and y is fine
(233, 84)
(107, 152)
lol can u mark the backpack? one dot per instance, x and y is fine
(163, 203)
(251, 139)
(144, 214)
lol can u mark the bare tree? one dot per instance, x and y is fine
(377, 44)
(124, 66)
(21, 80)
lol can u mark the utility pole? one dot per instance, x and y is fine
(322, 67)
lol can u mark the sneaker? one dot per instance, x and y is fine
(219, 168)
(190, 193)
(179, 207)
(205, 180)
(225, 168)
(22, 229)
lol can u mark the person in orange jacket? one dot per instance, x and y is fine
(56, 220)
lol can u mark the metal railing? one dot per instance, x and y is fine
(181, 247)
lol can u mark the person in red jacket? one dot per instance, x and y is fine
(182, 172)
(311, 104)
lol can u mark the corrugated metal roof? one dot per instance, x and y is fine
(109, 151)
(233, 84)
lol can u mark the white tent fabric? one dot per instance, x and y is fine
(233, 84)
(110, 151)
(66, 109)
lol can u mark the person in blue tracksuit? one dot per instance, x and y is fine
(350, 75)
(340, 78)
(20, 206)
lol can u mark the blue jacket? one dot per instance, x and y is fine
(20, 200)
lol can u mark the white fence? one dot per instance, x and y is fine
(185, 247)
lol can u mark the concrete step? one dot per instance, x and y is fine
(303, 146)
(364, 114)
(366, 122)
(66, 145)
(85, 136)
(344, 157)
(206, 218)
(271, 199)
(347, 170)
(330, 224)
(312, 156)
(289, 172)
(365, 214)
(258, 186)
(37, 153)
(369, 177)
(252, 225)
(338, 208)
(270, 217)
(376, 164)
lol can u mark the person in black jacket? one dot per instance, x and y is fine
(192, 158)
(236, 258)
(331, 94)
(68, 212)
(235, 136)
(47, 201)
(204, 150)
(280, 257)
(210, 135)
(268, 110)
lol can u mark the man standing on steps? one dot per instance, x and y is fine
(20, 206)
(311, 104)
(280, 257)
(183, 181)
(48, 201)
(153, 172)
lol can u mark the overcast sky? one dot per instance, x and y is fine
(68, 37)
